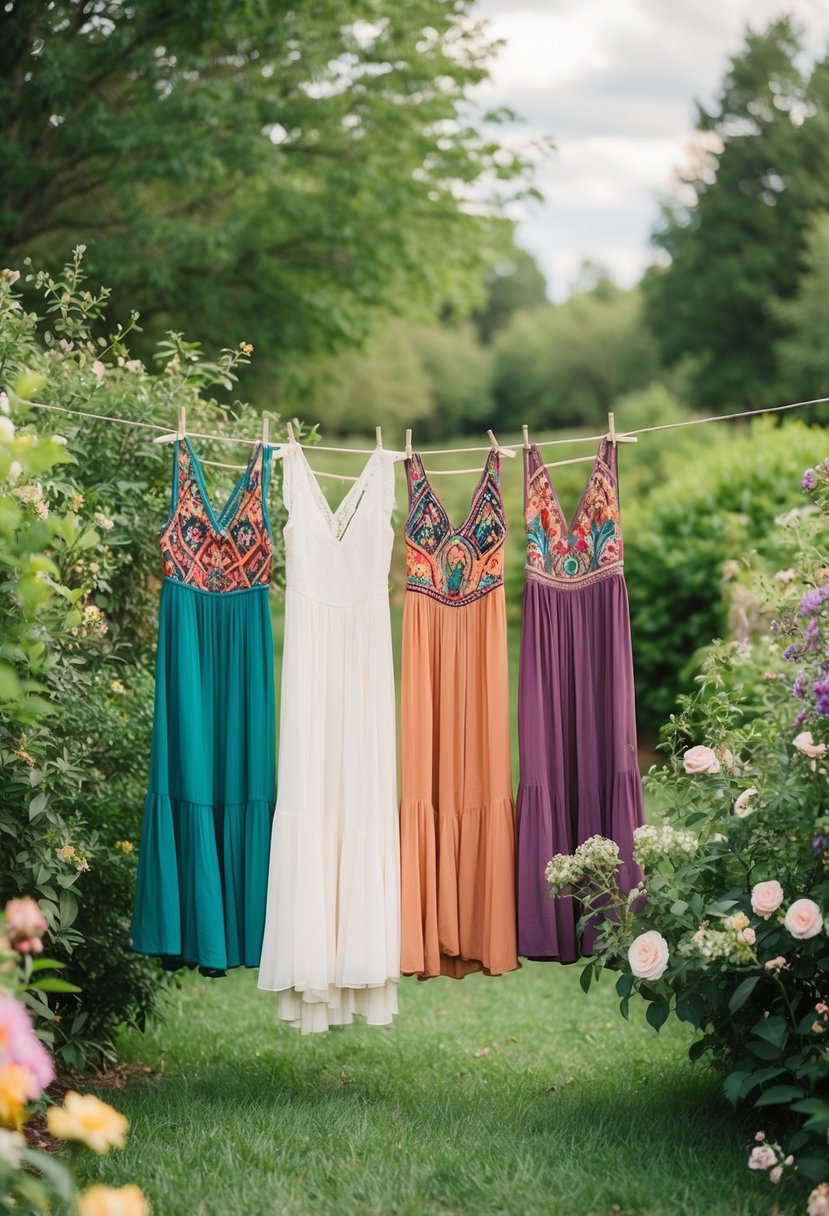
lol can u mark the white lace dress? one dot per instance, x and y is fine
(332, 930)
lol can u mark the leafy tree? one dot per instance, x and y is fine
(285, 173)
(734, 248)
(566, 364)
(804, 350)
(511, 284)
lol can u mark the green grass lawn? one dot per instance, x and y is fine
(515, 1095)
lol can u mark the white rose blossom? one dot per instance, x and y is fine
(648, 955)
(742, 805)
(766, 897)
(804, 919)
(700, 759)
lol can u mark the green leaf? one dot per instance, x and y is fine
(763, 1050)
(54, 1171)
(679, 907)
(742, 992)
(777, 1095)
(733, 1086)
(37, 805)
(624, 984)
(68, 905)
(51, 983)
(586, 977)
(657, 1013)
(814, 1169)
(811, 1106)
(773, 1030)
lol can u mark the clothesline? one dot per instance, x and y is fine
(232, 439)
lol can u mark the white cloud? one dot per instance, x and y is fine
(615, 83)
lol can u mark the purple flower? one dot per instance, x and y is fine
(819, 843)
(800, 719)
(799, 686)
(791, 652)
(812, 633)
(809, 479)
(821, 690)
(813, 599)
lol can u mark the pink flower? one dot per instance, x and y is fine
(700, 759)
(27, 924)
(759, 1137)
(818, 1028)
(806, 744)
(20, 1045)
(776, 1173)
(803, 919)
(818, 1204)
(762, 1157)
(748, 935)
(776, 964)
(821, 1007)
(766, 897)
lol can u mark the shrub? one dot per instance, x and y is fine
(708, 508)
(79, 584)
(729, 932)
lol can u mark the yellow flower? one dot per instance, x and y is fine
(84, 1117)
(126, 846)
(246, 348)
(107, 1201)
(17, 1087)
(67, 852)
(118, 687)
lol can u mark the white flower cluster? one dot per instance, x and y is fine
(651, 842)
(596, 855)
(33, 495)
(561, 873)
(597, 852)
(734, 943)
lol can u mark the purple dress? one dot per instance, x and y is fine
(576, 714)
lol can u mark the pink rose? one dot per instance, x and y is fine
(27, 924)
(803, 919)
(762, 1157)
(776, 964)
(819, 1201)
(806, 744)
(776, 1173)
(766, 897)
(700, 759)
(648, 956)
(749, 936)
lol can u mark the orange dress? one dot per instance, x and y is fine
(457, 819)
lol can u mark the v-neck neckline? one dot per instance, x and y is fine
(572, 523)
(333, 517)
(453, 531)
(219, 522)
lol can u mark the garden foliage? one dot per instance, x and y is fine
(729, 930)
(80, 505)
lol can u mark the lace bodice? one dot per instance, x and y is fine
(338, 556)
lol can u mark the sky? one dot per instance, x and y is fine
(614, 82)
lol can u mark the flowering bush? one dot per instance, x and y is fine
(728, 930)
(32, 1181)
(80, 506)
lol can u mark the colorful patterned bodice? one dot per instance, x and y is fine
(591, 545)
(455, 565)
(228, 552)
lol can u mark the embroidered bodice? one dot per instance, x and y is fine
(228, 552)
(455, 565)
(588, 547)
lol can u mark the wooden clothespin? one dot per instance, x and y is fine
(289, 427)
(378, 433)
(496, 445)
(614, 436)
(179, 433)
(525, 431)
(408, 444)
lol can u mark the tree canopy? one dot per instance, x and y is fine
(734, 244)
(259, 170)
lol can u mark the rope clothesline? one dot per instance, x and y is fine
(233, 439)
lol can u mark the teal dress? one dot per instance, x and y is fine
(205, 835)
